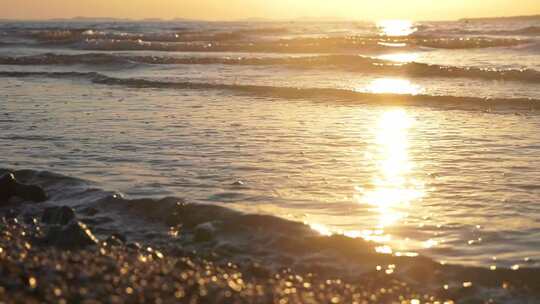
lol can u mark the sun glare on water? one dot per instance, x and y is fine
(396, 28)
(393, 86)
(393, 188)
(400, 57)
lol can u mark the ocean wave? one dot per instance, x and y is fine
(468, 42)
(248, 40)
(530, 48)
(298, 45)
(350, 63)
(70, 36)
(251, 236)
(524, 31)
(59, 59)
(530, 30)
(229, 235)
(74, 35)
(301, 45)
(315, 94)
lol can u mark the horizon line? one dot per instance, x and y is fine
(259, 19)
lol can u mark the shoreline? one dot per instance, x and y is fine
(33, 271)
(49, 255)
(203, 162)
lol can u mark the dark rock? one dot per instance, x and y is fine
(204, 232)
(11, 213)
(238, 183)
(90, 211)
(58, 215)
(73, 236)
(134, 246)
(115, 240)
(31, 193)
(29, 219)
(119, 237)
(257, 270)
(9, 187)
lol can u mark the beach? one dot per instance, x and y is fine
(114, 272)
(48, 254)
(271, 162)
(44, 259)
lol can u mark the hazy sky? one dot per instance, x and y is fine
(275, 9)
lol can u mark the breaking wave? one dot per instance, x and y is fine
(249, 40)
(525, 31)
(300, 45)
(315, 94)
(351, 63)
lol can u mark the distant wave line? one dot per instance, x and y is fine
(350, 63)
(313, 94)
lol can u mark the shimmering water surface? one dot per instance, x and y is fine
(454, 183)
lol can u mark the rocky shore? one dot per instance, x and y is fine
(56, 259)
(49, 253)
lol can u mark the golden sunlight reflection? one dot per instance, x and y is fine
(392, 189)
(321, 229)
(396, 28)
(393, 86)
(401, 57)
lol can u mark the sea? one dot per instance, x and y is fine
(421, 137)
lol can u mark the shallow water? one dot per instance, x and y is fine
(414, 178)
(454, 183)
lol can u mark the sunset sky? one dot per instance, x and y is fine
(275, 9)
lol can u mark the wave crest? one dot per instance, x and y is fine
(316, 94)
(251, 40)
(351, 63)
